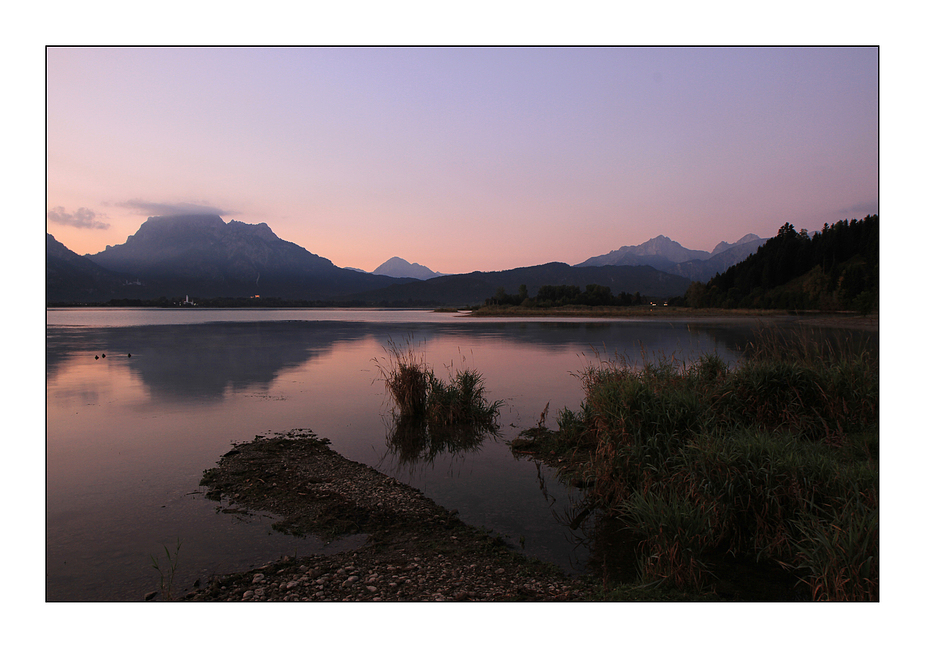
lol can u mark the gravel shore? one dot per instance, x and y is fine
(414, 550)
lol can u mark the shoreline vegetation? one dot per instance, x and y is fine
(765, 473)
(700, 482)
(841, 319)
(846, 319)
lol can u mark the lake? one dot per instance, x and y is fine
(129, 434)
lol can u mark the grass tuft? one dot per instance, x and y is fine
(431, 415)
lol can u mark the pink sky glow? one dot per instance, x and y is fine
(462, 159)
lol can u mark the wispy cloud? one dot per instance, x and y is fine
(83, 218)
(172, 209)
(869, 207)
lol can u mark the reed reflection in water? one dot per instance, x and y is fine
(413, 442)
(128, 437)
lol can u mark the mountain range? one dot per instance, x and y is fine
(400, 269)
(669, 256)
(476, 287)
(202, 256)
(660, 252)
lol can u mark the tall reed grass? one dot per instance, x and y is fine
(433, 415)
(775, 458)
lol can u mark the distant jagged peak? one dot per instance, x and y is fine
(660, 247)
(722, 246)
(195, 226)
(206, 221)
(398, 268)
(204, 245)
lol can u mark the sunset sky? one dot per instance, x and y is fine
(469, 159)
(462, 159)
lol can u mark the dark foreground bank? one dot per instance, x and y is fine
(410, 549)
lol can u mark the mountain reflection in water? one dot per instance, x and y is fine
(127, 438)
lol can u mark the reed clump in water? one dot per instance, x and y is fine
(775, 459)
(434, 415)
(408, 380)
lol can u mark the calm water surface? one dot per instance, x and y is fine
(129, 437)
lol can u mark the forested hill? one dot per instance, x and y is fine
(835, 269)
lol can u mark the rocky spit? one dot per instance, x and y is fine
(414, 550)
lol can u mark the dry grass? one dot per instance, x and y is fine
(432, 415)
(776, 459)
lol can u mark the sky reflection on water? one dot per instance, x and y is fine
(129, 436)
